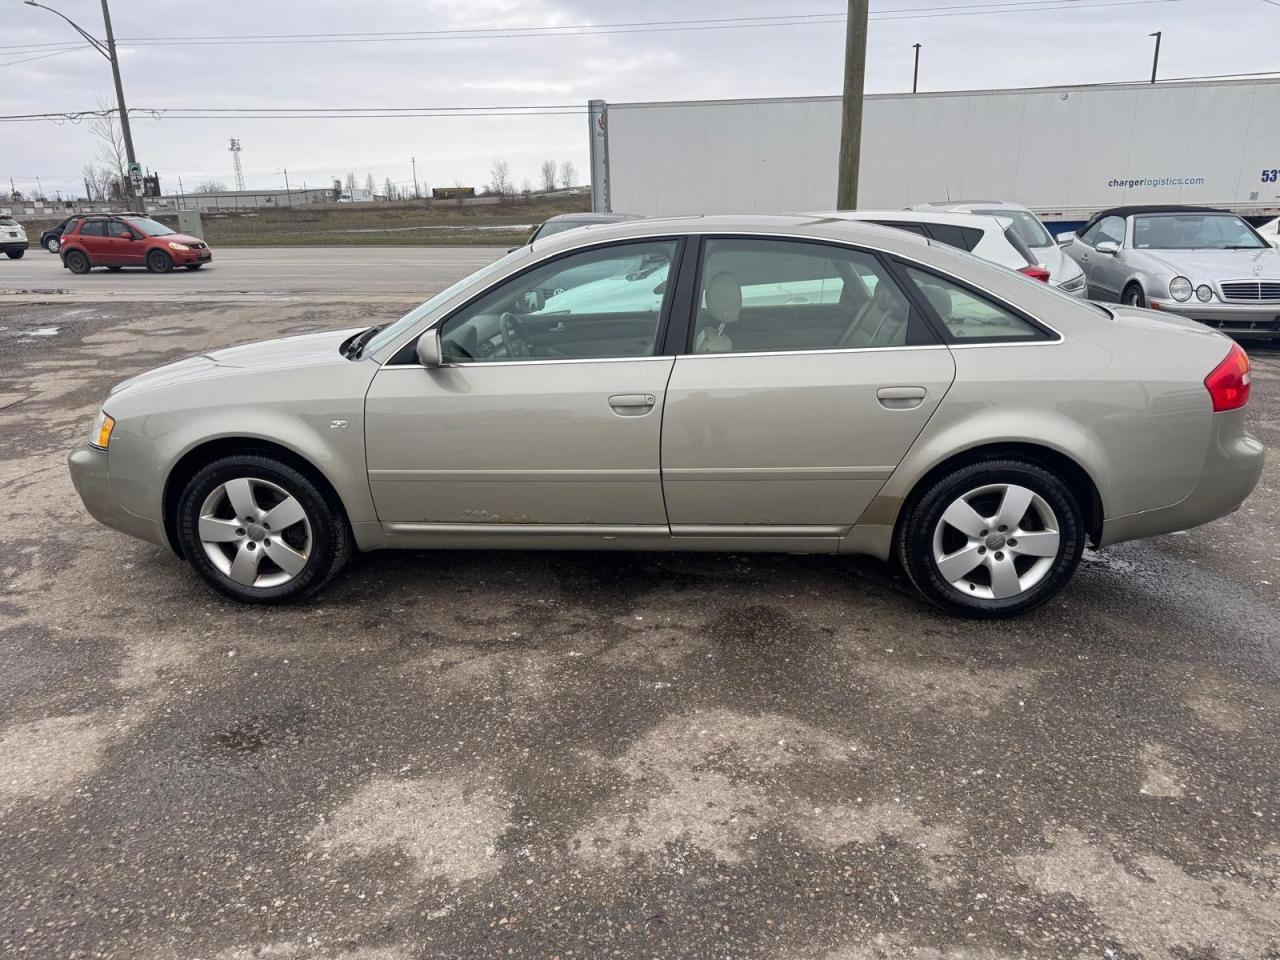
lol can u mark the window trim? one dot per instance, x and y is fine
(919, 327)
(1046, 333)
(405, 355)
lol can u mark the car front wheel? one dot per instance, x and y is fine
(52, 244)
(159, 262)
(260, 531)
(76, 262)
(993, 539)
(1133, 296)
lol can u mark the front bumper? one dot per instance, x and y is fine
(184, 257)
(92, 480)
(1261, 320)
(1231, 470)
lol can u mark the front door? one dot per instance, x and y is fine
(547, 413)
(126, 248)
(807, 381)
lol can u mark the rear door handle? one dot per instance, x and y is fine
(901, 398)
(632, 404)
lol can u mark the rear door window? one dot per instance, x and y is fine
(962, 238)
(93, 228)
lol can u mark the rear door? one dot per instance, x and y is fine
(807, 376)
(93, 238)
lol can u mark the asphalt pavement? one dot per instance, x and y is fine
(589, 755)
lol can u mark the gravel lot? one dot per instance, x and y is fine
(532, 755)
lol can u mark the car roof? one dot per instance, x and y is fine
(980, 221)
(958, 205)
(1153, 208)
(799, 226)
(591, 217)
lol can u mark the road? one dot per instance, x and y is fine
(576, 755)
(337, 272)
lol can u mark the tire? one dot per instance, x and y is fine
(194, 266)
(1133, 296)
(113, 269)
(77, 261)
(159, 262)
(226, 550)
(982, 558)
(53, 244)
(15, 254)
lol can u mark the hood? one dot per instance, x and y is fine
(1208, 266)
(288, 352)
(179, 238)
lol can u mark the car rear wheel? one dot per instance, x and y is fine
(993, 539)
(76, 262)
(52, 244)
(1133, 296)
(260, 531)
(159, 262)
(15, 254)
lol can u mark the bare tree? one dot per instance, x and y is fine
(389, 189)
(370, 184)
(350, 184)
(548, 173)
(568, 174)
(526, 187)
(500, 178)
(95, 181)
(211, 186)
(113, 158)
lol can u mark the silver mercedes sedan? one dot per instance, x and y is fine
(783, 384)
(1195, 262)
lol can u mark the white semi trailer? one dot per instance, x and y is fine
(1063, 151)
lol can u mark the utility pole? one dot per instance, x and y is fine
(414, 162)
(108, 50)
(855, 70)
(915, 74)
(1155, 60)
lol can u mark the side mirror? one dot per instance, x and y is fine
(429, 353)
(1065, 237)
(1108, 246)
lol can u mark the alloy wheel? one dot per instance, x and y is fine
(996, 541)
(255, 532)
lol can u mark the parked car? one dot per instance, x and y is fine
(13, 238)
(1063, 271)
(994, 239)
(1270, 232)
(923, 405)
(51, 239)
(571, 221)
(129, 240)
(1196, 262)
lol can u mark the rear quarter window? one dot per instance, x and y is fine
(967, 315)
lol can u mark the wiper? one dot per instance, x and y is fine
(356, 346)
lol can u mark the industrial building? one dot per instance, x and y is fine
(1063, 151)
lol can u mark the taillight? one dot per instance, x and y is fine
(1228, 383)
(1036, 272)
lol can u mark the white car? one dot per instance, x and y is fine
(1064, 273)
(13, 239)
(1270, 232)
(994, 239)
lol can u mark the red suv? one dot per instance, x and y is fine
(129, 240)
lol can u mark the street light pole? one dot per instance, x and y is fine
(915, 74)
(1155, 60)
(108, 50)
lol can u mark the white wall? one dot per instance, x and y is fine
(1054, 149)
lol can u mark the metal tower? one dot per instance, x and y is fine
(235, 159)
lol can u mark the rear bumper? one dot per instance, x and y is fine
(1231, 471)
(1237, 319)
(89, 475)
(7, 245)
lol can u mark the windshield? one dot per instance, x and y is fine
(152, 228)
(1193, 231)
(394, 331)
(1028, 228)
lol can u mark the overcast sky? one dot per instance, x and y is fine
(1019, 47)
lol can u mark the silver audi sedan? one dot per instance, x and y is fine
(1195, 262)
(783, 384)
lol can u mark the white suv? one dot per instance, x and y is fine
(13, 239)
(1064, 273)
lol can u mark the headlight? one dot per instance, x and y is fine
(1204, 293)
(100, 432)
(178, 246)
(1180, 289)
(1074, 285)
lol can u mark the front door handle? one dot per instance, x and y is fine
(901, 398)
(632, 404)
